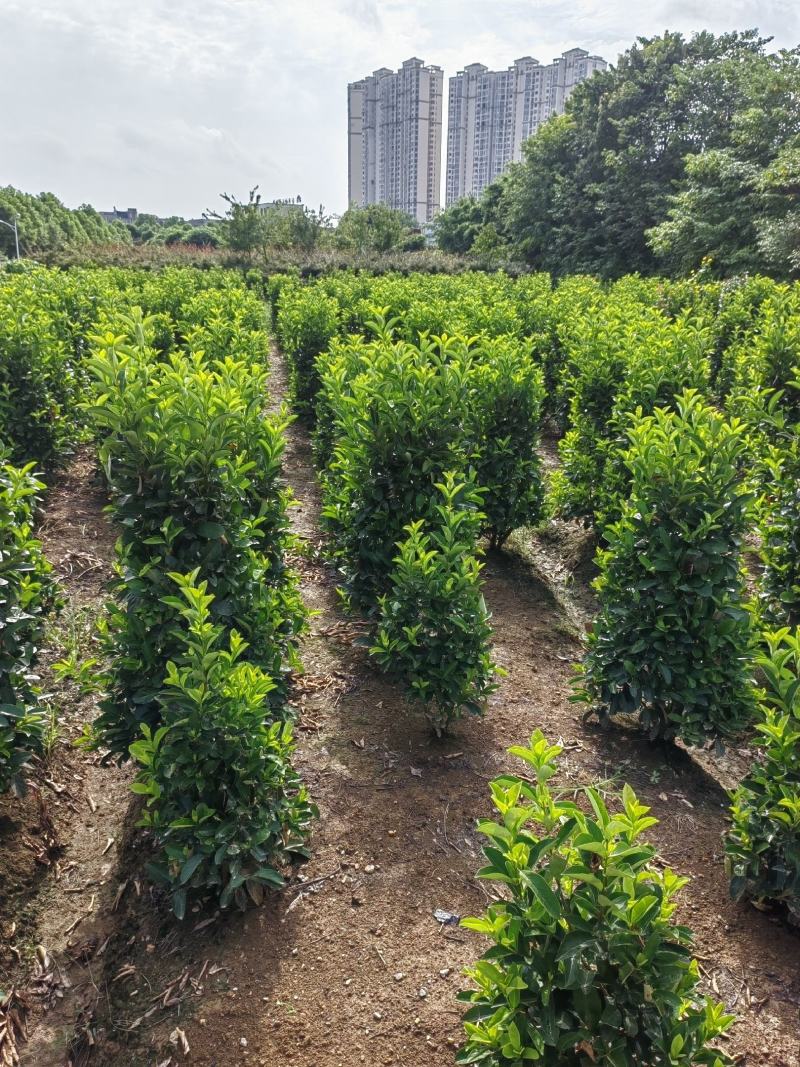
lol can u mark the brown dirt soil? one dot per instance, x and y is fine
(349, 965)
(57, 900)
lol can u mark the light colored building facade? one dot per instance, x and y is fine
(492, 113)
(395, 139)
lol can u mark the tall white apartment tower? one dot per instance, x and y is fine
(395, 139)
(492, 113)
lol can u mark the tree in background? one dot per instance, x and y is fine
(45, 224)
(377, 228)
(470, 220)
(458, 225)
(254, 227)
(735, 208)
(686, 151)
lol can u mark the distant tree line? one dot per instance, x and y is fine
(247, 229)
(250, 226)
(45, 224)
(684, 156)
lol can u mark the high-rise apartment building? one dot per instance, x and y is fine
(395, 139)
(491, 114)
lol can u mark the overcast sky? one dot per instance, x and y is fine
(162, 104)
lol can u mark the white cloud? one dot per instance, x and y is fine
(164, 103)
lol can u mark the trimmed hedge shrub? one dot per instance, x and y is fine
(398, 426)
(194, 469)
(433, 627)
(26, 594)
(779, 528)
(762, 848)
(306, 323)
(586, 966)
(224, 804)
(673, 639)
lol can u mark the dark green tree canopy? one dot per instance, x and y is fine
(684, 154)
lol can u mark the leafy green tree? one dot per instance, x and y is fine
(458, 225)
(243, 224)
(46, 225)
(595, 183)
(712, 221)
(374, 228)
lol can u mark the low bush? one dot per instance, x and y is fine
(586, 966)
(224, 804)
(673, 639)
(26, 594)
(433, 627)
(762, 848)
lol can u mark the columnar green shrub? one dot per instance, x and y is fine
(735, 322)
(433, 627)
(39, 386)
(762, 848)
(26, 594)
(398, 427)
(767, 359)
(507, 396)
(779, 526)
(632, 359)
(194, 470)
(225, 806)
(225, 322)
(306, 323)
(586, 966)
(673, 638)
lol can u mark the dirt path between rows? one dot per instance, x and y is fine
(56, 904)
(350, 965)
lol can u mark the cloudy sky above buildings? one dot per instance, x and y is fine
(162, 104)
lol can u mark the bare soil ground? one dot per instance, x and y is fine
(59, 845)
(350, 965)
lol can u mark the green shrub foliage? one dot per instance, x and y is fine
(224, 804)
(26, 594)
(673, 638)
(39, 381)
(632, 361)
(586, 967)
(779, 527)
(306, 323)
(194, 469)
(762, 848)
(507, 396)
(398, 426)
(433, 628)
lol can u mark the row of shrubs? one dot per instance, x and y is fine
(423, 448)
(202, 632)
(27, 594)
(46, 319)
(668, 428)
(607, 353)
